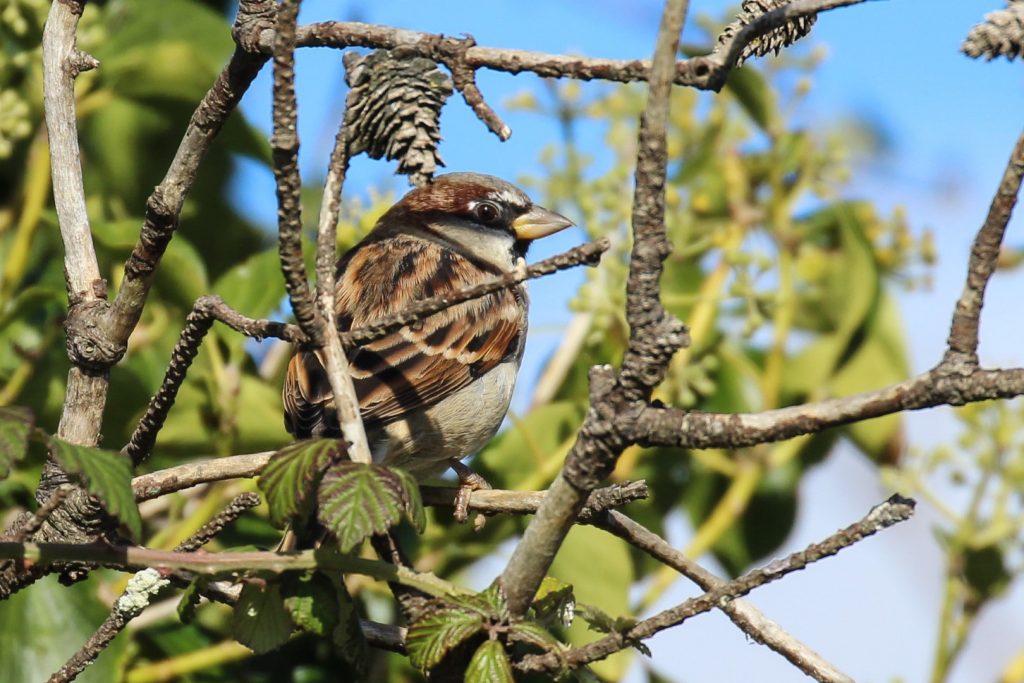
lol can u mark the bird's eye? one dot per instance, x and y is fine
(486, 212)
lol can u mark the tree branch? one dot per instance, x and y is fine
(488, 501)
(87, 387)
(285, 144)
(893, 511)
(749, 619)
(137, 557)
(706, 72)
(654, 337)
(658, 426)
(346, 403)
(963, 334)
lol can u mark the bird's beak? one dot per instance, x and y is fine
(539, 222)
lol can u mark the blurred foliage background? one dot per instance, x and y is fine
(787, 283)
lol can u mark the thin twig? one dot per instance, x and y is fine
(285, 144)
(487, 501)
(346, 403)
(963, 334)
(42, 513)
(893, 511)
(654, 337)
(750, 620)
(204, 312)
(585, 254)
(660, 426)
(497, 501)
(240, 563)
(706, 72)
(179, 477)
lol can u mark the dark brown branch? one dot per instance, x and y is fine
(657, 426)
(963, 334)
(42, 513)
(285, 144)
(197, 324)
(893, 511)
(164, 205)
(464, 79)
(750, 620)
(654, 337)
(707, 72)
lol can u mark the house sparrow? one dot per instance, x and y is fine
(436, 391)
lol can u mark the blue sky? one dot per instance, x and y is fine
(951, 121)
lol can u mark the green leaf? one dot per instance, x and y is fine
(489, 665)
(15, 427)
(584, 549)
(532, 633)
(260, 620)
(190, 599)
(986, 573)
(754, 95)
(357, 501)
(880, 360)
(348, 635)
(106, 475)
(181, 277)
(554, 602)
(311, 602)
(850, 293)
(489, 603)
(255, 286)
(44, 624)
(429, 639)
(290, 479)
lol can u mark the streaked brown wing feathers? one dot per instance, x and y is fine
(421, 364)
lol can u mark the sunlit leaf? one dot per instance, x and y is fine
(357, 501)
(431, 638)
(291, 478)
(489, 664)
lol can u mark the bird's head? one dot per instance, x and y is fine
(483, 214)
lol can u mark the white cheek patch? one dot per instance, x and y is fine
(493, 245)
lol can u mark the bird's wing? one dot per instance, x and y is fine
(420, 364)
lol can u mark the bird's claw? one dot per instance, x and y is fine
(469, 481)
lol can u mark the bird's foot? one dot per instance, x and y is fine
(469, 481)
